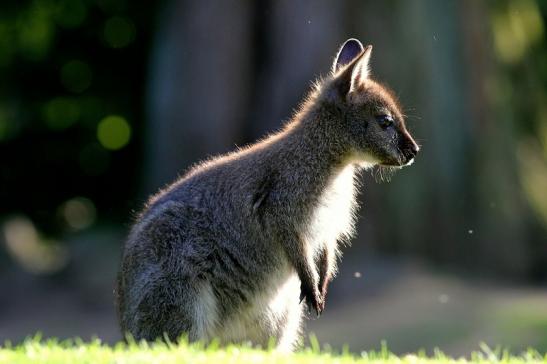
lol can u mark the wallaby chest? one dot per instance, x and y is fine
(332, 217)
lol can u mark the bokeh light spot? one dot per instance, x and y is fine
(533, 175)
(119, 32)
(516, 29)
(113, 132)
(542, 125)
(78, 213)
(60, 113)
(76, 76)
(26, 247)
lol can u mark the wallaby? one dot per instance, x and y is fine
(233, 248)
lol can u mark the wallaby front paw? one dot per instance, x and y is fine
(314, 300)
(323, 287)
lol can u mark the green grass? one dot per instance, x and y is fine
(52, 351)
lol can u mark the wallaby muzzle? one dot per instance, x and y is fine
(408, 148)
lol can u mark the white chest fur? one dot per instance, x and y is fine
(333, 217)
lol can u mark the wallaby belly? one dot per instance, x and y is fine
(273, 313)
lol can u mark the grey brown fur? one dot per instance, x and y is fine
(232, 248)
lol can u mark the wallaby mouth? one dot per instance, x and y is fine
(385, 170)
(409, 163)
(406, 158)
(398, 164)
(409, 150)
(402, 153)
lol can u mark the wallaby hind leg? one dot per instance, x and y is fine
(289, 330)
(175, 310)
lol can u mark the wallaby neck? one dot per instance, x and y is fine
(310, 157)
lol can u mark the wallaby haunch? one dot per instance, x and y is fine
(233, 248)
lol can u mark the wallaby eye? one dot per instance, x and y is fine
(384, 120)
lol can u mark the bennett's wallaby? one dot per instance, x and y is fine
(232, 248)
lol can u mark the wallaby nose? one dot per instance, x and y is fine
(414, 148)
(409, 148)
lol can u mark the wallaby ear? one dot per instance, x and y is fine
(355, 72)
(347, 53)
(361, 69)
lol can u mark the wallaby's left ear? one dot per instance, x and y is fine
(347, 53)
(352, 73)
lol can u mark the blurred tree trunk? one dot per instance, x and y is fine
(198, 95)
(431, 203)
(501, 241)
(300, 42)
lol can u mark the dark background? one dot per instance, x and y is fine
(104, 102)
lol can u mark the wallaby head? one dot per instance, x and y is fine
(371, 117)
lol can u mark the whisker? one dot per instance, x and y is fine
(413, 117)
(383, 173)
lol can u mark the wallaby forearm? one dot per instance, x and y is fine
(300, 258)
(325, 267)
